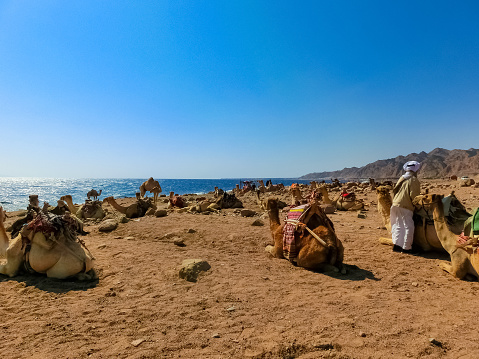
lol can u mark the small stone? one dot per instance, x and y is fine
(216, 335)
(190, 268)
(179, 243)
(362, 215)
(414, 284)
(362, 334)
(231, 309)
(247, 213)
(257, 222)
(161, 213)
(102, 246)
(108, 225)
(137, 342)
(191, 230)
(435, 342)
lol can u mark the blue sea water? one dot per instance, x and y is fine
(14, 191)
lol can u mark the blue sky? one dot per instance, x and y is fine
(214, 89)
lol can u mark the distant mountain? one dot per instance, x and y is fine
(438, 163)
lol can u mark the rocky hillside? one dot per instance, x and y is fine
(438, 163)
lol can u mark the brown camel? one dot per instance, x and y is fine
(134, 210)
(43, 248)
(317, 247)
(464, 257)
(89, 210)
(347, 202)
(151, 186)
(93, 193)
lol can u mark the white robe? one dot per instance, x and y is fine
(402, 227)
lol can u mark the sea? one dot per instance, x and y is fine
(14, 191)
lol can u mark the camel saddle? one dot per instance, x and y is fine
(454, 211)
(293, 219)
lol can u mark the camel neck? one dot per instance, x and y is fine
(447, 238)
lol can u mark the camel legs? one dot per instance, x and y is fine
(459, 266)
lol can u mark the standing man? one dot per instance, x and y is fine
(402, 224)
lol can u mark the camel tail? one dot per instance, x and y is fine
(386, 241)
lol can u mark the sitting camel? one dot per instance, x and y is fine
(425, 235)
(347, 202)
(89, 210)
(228, 200)
(93, 193)
(316, 244)
(134, 210)
(464, 256)
(176, 201)
(151, 186)
(47, 244)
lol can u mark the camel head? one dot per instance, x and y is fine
(383, 191)
(66, 198)
(270, 204)
(108, 199)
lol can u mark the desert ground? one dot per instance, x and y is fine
(248, 305)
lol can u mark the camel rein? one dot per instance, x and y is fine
(298, 223)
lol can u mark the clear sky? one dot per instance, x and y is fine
(214, 89)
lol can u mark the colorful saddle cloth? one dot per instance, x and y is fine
(293, 218)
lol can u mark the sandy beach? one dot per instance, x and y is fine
(248, 305)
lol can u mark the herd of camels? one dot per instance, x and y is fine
(47, 239)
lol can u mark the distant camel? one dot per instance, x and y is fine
(93, 193)
(151, 186)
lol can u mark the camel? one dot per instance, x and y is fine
(317, 247)
(385, 202)
(296, 196)
(69, 201)
(45, 248)
(176, 201)
(464, 256)
(93, 193)
(425, 236)
(325, 195)
(89, 210)
(347, 202)
(134, 210)
(151, 186)
(229, 201)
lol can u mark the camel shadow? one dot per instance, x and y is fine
(52, 285)
(353, 273)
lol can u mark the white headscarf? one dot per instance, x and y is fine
(411, 166)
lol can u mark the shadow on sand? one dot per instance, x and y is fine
(51, 284)
(353, 273)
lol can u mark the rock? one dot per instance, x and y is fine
(108, 225)
(150, 212)
(414, 284)
(216, 335)
(179, 242)
(361, 215)
(190, 268)
(231, 309)
(435, 342)
(190, 230)
(257, 222)
(362, 334)
(137, 342)
(247, 213)
(161, 213)
(123, 219)
(102, 246)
